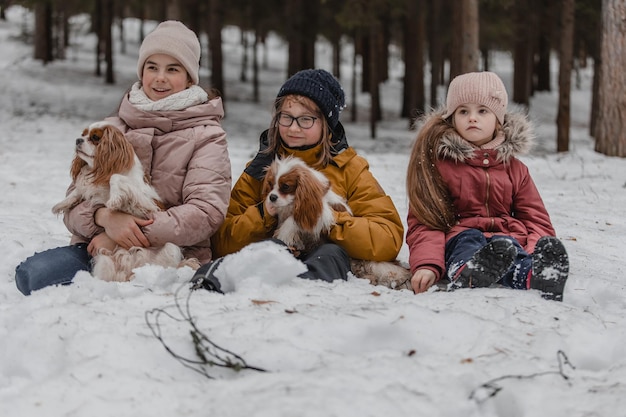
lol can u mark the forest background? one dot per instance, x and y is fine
(435, 40)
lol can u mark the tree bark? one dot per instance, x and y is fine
(107, 24)
(354, 84)
(97, 28)
(301, 16)
(565, 75)
(256, 97)
(216, 17)
(465, 50)
(470, 51)
(413, 102)
(436, 52)
(611, 123)
(244, 56)
(374, 79)
(456, 42)
(522, 54)
(542, 69)
(43, 31)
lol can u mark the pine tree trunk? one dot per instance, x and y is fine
(374, 79)
(565, 75)
(97, 28)
(542, 68)
(301, 17)
(470, 51)
(216, 17)
(465, 27)
(611, 123)
(255, 64)
(107, 24)
(414, 32)
(354, 83)
(436, 53)
(43, 31)
(457, 41)
(522, 54)
(244, 56)
(593, 117)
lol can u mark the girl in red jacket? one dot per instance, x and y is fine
(475, 214)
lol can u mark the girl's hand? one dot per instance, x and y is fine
(101, 241)
(122, 228)
(422, 280)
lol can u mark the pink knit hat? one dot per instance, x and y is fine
(484, 88)
(176, 40)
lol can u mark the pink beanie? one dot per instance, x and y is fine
(484, 88)
(176, 40)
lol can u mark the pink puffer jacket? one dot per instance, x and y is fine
(185, 155)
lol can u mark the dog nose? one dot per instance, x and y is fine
(273, 198)
(79, 141)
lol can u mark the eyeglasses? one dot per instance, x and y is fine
(305, 122)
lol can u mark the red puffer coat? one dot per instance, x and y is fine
(491, 190)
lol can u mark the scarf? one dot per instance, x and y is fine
(191, 96)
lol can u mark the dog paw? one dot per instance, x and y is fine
(192, 263)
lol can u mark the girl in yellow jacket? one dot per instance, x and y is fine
(306, 124)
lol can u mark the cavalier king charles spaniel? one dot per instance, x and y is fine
(106, 171)
(305, 206)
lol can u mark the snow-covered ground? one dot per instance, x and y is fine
(340, 349)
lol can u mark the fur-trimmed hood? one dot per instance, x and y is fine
(518, 138)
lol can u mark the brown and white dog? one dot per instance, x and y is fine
(305, 206)
(107, 171)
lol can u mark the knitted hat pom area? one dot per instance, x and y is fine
(484, 88)
(175, 39)
(321, 87)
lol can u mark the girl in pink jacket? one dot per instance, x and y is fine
(175, 128)
(475, 214)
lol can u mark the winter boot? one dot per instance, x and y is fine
(487, 265)
(550, 268)
(205, 277)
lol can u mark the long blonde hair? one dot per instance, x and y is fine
(429, 197)
(273, 135)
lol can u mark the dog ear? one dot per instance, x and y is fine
(269, 180)
(114, 154)
(340, 208)
(309, 199)
(77, 166)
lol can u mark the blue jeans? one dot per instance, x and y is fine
(462, 247)
(52, 267)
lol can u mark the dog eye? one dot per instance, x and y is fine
(286, 188)
(95, 138)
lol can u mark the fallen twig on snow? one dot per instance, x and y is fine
(490, 389)
(208, 353)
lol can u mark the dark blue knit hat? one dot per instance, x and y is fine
(321, 87)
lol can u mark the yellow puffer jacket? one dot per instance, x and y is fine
(373, 232)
